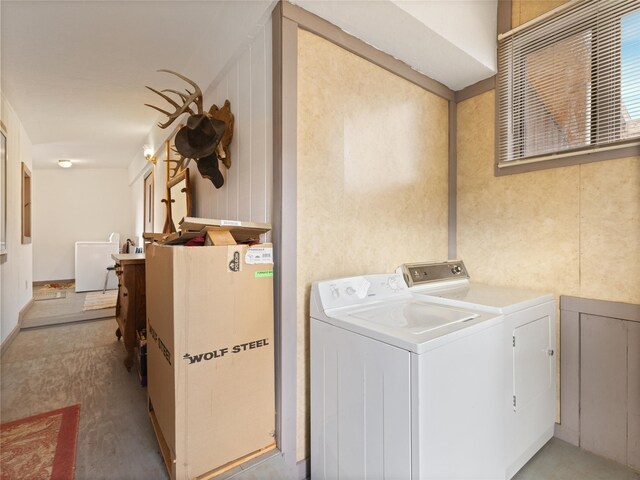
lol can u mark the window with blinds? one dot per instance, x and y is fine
(569, 82)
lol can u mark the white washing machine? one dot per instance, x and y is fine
(402, 388)
(529, 388)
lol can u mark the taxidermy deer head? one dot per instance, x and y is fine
(206, 135)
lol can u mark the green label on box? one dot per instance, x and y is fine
(264, 273)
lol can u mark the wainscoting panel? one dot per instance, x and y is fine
(232, 181)
(258, 130)
(246, 194)
(633, 396)
(600, 378)
(243, 164)
(603, 386)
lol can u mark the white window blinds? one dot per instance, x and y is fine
(570, 82)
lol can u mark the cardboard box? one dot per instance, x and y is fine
(217, 232)
(242, 232)
(210, 354)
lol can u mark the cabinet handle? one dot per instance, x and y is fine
(125, 294)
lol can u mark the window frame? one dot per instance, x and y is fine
(564, 158)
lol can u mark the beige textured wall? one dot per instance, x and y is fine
(524, 10)
(610, 230)
(372, 178)
(572, 230)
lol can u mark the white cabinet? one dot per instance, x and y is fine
(530, 379)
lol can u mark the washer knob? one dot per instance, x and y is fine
(456, 269)
(350, 290)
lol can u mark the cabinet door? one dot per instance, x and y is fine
(530, 380)
(603, 386)
(533, 364)
(633, 418)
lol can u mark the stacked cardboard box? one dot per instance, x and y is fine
(210, 354)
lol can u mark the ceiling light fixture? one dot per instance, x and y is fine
(148, 154)
(65, 163)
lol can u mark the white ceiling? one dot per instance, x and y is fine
(451, 41)
(74, 71)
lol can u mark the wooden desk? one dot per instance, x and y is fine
(131, 306)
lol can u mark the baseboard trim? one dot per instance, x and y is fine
(70, 318)
(23, 312)
(11, 337)
(39, 283)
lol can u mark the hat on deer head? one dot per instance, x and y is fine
(200, 136)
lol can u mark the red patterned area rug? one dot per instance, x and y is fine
(40, 447)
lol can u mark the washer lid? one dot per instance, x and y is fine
(412, 317)
(411, 324)
(479, 296)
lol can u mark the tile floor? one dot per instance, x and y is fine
(559, 460)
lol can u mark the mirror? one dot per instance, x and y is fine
(26, 204)
(179, 198)
(148, 202)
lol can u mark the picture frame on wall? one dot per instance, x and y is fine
(3, 191)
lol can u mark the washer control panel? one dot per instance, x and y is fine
(420, 273)
(344, 292)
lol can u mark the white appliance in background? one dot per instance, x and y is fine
(401, 388)
(92, 260)
(529, 387)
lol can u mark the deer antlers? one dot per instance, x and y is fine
(194, 97)
(205, 136)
